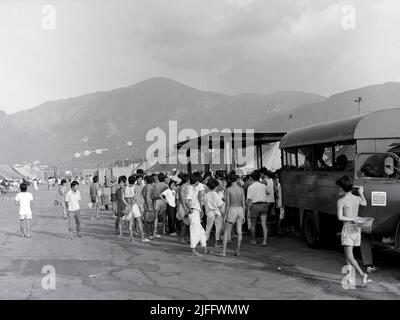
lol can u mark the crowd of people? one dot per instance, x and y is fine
(190, 207)
(176, 204)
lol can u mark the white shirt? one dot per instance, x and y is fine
(73, 199)
(24, 199)
(257, 192)
(170, 196)
(201, 187)
(129, 191)
(193, 195)
(212, 202)
(270, 188)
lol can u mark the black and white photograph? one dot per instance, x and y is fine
(221, 152)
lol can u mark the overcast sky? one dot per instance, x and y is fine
(230, 46)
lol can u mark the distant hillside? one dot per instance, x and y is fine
(56, 130)
(338, 106)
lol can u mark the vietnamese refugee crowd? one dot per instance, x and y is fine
(190, 207)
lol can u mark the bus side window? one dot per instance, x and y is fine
(324, 157)
(345, 157)
(290, 159)
(306, 159)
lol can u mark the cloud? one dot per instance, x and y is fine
(227, 45)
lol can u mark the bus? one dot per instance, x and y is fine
(367, 149)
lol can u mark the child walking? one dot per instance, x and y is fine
(24, 199)
(72, 202)
(95, 198)
(347, 211)
(213, 206)
(62, 191)
(128, 196)
(234, 212)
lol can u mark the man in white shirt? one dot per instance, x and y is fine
(169, 196)
(72, 200)
(197, 233)
(257, 204)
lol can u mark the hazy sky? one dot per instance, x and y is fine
(231, 46)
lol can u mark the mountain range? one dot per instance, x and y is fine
(115, 123)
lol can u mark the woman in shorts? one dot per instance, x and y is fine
(347, 211)
(62, 191)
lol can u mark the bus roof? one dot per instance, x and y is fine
(375, 125)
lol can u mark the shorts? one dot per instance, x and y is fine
(136, 211)
(235, 214)
(257, 210)
(160, 205)
(127, 217)
(351, 235)
(25, 216)
(113, 197)
(93, 199)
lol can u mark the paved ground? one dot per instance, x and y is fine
(101, 266)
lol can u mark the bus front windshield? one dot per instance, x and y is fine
(375, 165)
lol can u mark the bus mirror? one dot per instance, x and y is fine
(389, 165)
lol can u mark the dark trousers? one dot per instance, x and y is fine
(74, 215)
(183, 229)
(117, 223)
(149, 228)
(171, 216)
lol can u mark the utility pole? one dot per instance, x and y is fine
(290, 121)
(358, 100)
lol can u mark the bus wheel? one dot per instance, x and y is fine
(310, 230)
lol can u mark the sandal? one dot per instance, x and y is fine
(253, 242)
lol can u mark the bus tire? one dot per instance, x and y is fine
(310, 230)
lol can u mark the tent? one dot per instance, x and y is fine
(26, 171)
(271, 159)
(8, 173)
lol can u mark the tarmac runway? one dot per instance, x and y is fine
(101, 266)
